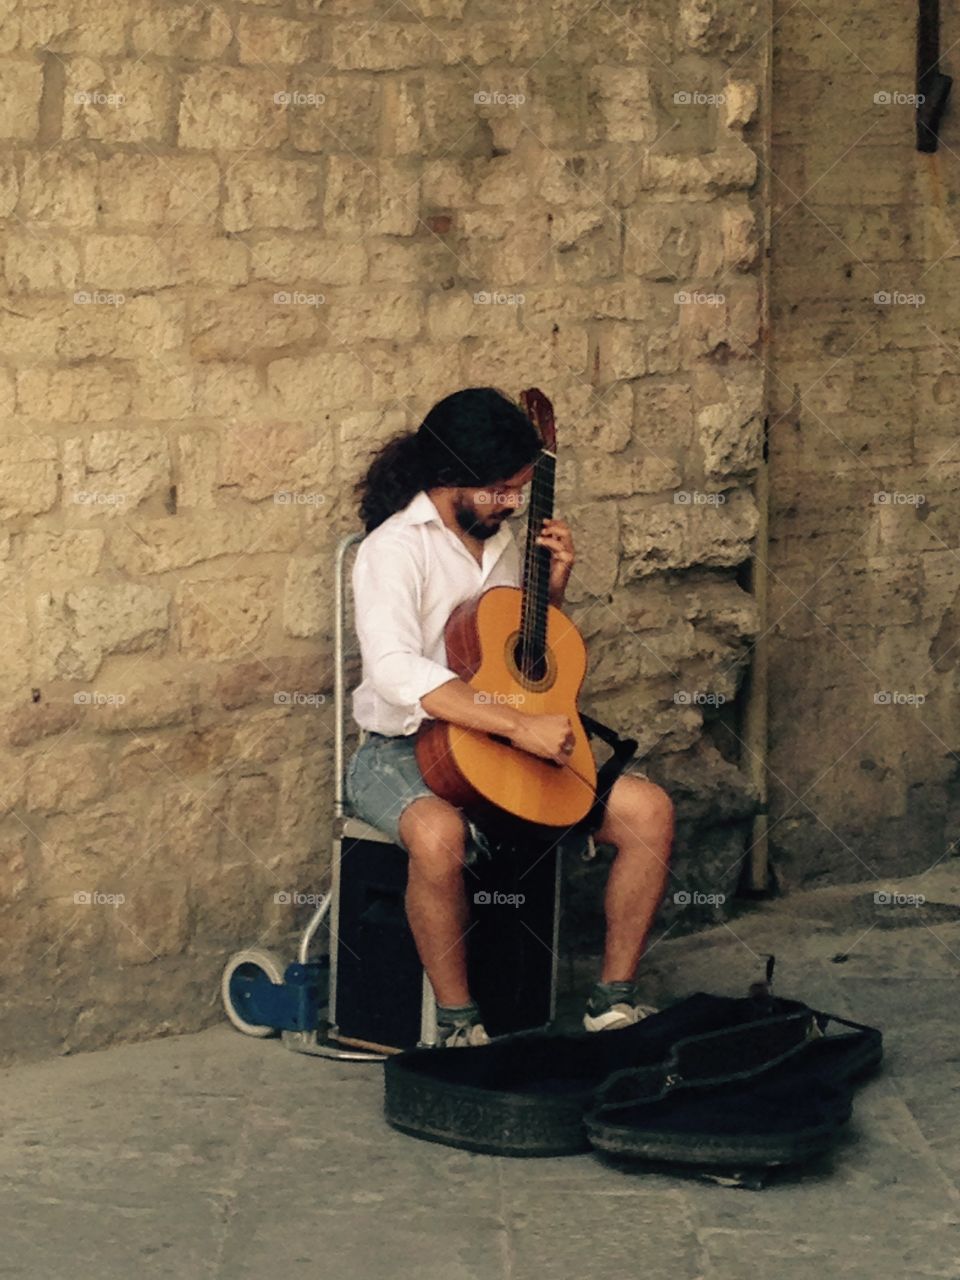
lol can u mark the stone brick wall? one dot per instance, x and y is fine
(245, 243)
(864, 464)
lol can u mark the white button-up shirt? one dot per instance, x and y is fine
(409, 575)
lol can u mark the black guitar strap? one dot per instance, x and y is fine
(623, 751)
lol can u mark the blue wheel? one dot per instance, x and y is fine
(235, 986)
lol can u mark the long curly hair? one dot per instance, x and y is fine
(470, 438)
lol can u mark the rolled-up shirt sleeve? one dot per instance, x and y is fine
(386, 593)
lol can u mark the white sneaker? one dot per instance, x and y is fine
(617, 1017)
(463, 1037)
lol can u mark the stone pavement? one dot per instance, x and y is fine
(215, 1156)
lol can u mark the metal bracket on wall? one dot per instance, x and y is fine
(933, 87)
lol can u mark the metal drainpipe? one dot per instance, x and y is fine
(755, 725)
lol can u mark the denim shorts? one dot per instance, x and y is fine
(382, 778)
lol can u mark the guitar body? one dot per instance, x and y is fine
(483, 775)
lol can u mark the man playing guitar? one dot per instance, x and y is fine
(436, 504)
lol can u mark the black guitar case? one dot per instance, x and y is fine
(702, 1081)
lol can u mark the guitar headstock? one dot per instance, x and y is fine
(540, 412)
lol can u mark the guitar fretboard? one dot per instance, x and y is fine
(531, 656)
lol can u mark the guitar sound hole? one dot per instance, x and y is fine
(536, 671)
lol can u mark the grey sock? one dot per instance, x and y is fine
(458, 1015)
(606, 994)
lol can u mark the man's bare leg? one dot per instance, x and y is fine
(639, 823)
(435, 833)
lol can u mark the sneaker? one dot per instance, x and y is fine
(617, 1017)
(461, 1035)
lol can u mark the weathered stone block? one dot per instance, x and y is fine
(605, 475)
(82, 393)
(148, 702)
(729, 422)
(152, 922)
(307, 597)
(383, 202)
(311, 262)
(229, 329)
(53, 556)
(333, 114)
(36, 263)
(297, 384)
(68, 779)
(120, 101)
(268, 192)
(28, 475)
(198, 464)
(20, 100)
(596, 542)
(231, 108)
(77, 629)
(391, 315)
(268, 39)
(597, 417)
(14, 867)
(221, 618)
(150, 191)
(157, 546)
(251, 682)
(140, 326)
(285, 462)
(121, 468)
(182, 31)
(695, 532)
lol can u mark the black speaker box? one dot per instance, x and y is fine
(511, 941)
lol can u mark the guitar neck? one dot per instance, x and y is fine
(536, 570)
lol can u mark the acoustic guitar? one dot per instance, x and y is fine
(512, 646)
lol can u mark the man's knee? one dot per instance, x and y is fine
(659, 806)
(640, 805)
(435, 832)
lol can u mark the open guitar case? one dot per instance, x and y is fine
(723, 1087)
